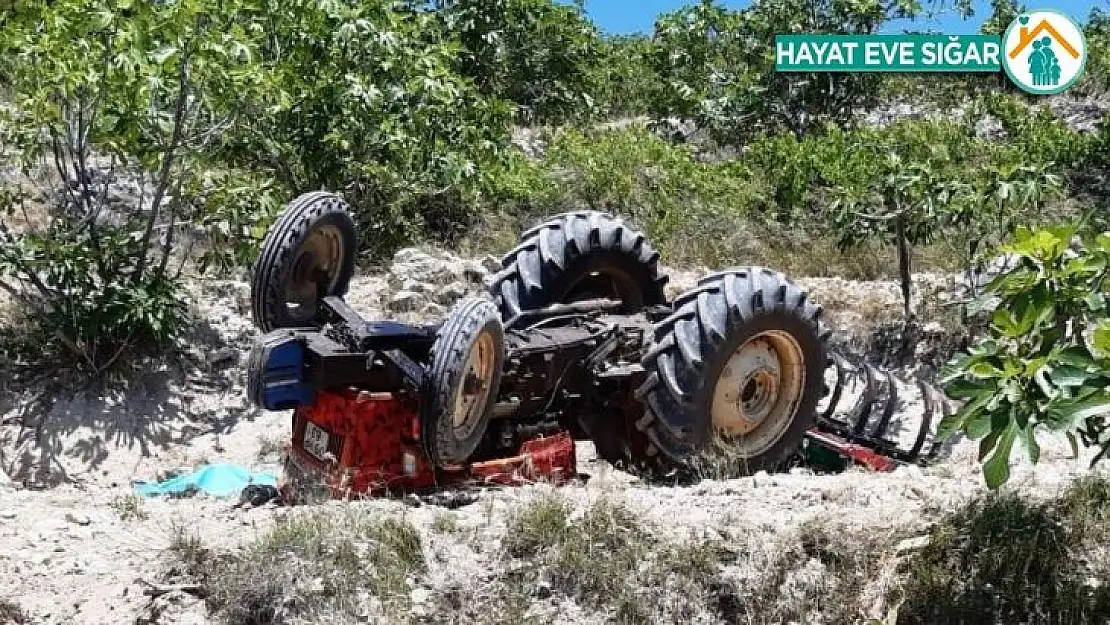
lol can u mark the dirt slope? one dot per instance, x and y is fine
(75, 548)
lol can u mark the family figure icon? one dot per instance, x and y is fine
(1050, 46)
(1043, 64)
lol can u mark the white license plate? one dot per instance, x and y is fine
(315, 440)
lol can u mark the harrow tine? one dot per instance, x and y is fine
(926, 419)
(866, 402)
(945, 410)
(834, 399)
(888, 409)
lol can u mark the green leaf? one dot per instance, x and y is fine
(985, 371)
(1076, 357)
(1095, 301)
(1067, 375)
(988, 443)
(967, 389)
(1032, 447)
(978, 424)
(996, 469)
(162, 54)
(951, 424)
(1073, 444)
(1004, 321)
(1066, 414)
(1099, 341)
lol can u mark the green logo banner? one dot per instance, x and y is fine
(888, 53)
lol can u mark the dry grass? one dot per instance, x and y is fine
(12, 614)
(446, 523)
(1005, 558)
(610, 560)
(129, 507)
(270, 448)
(824, 571)
(322, 566)
(1000, 558)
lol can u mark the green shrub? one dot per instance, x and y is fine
(1097, 34)
(1035, 136)
(1046, 362)
(540, 55)
(717, 68)
(237, 208)
(92, 298)
(367, 99)
(1003, 558)
(627, 82)
(661, 186)
(101, 89)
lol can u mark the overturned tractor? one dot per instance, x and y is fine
(575, 341)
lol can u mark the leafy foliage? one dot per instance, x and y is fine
(1097, 34)
(540, 55)
(366, 99)
(99, 88)
(626, 81)
(662, 187)
(717, 66)
(1046, 362)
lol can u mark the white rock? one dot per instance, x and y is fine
(79, 519)
(912, 544)
(410, 255)
(223, 356)
(452, 293)
(403, 301)
(431, 309)
(491, 263)
(416, 286)
(474, 271)
(420, 595)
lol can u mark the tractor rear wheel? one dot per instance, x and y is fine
(308, 253)
(462, 381)
(578, 256)
(738, 369)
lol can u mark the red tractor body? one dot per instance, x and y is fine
(354, 443)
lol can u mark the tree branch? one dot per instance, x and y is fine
(167, 163)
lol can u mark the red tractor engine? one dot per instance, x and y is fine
(356, 443)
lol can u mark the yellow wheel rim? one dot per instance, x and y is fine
(319, 257)
(474, 387)
(758, 391)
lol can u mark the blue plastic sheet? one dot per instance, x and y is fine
(218, 480)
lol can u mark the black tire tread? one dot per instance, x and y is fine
(547, 250)
(447, 359)
(674, 391)
(282, 239)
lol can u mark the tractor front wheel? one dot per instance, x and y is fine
(460, 386)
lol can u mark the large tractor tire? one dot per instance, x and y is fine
(737, 368)
(461, 385)
(579, 256)
(308, 254)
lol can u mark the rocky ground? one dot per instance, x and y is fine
(76, 546)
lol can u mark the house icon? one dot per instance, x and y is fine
(1026, 37)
